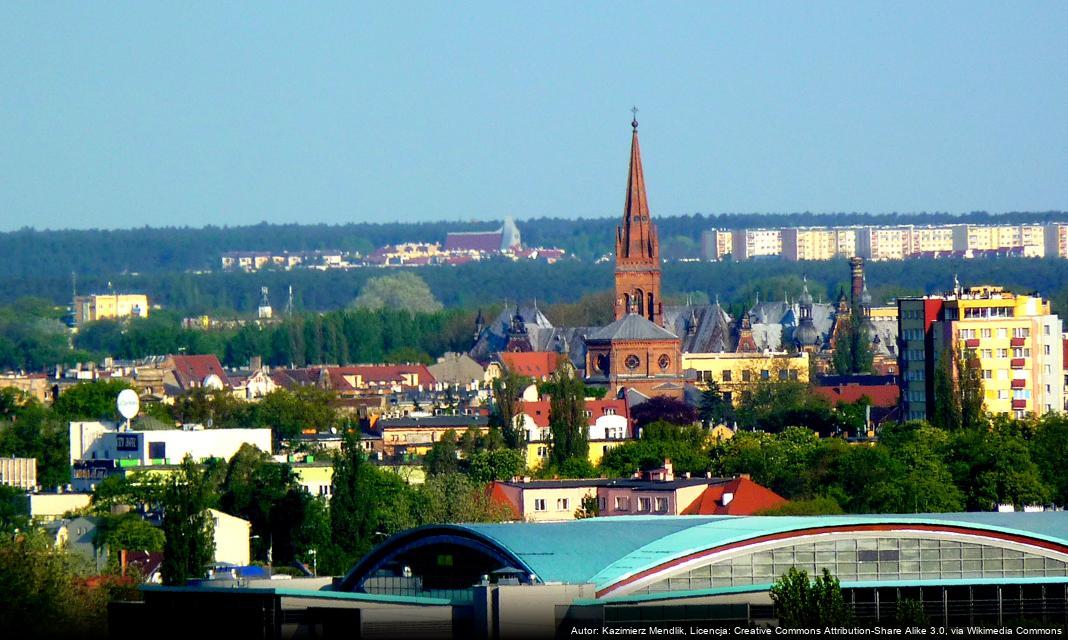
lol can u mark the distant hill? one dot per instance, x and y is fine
(54, 255)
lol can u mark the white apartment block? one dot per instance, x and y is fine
(756, 243)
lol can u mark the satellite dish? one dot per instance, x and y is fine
(128, 403)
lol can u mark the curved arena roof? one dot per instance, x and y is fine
(610, 552)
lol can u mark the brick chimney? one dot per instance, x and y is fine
(856, 274)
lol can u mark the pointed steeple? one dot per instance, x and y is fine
(637, 247)
(636, 238)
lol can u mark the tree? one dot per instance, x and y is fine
(508, 407)
(958, 391)
(852, 345)
(453, 497)
(288, 413)
(187, 527)
(567, 417)
(803, 603)
(714, 408)
(589, 508)
(821, 506)
(404, 290)
(443, 456)
(497, 464)
(90, 401)
(994, 466)
(11, 515)
(663, 409)
(128, 531)
(368, 504)
(1049, 450)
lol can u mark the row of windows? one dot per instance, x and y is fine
(748, 376)
(622, 503)
(1002, 332)
(869, 559)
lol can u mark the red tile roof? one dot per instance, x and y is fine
(536, 364)
(379, 374)
(881, 395)
(488, 241)
(539, 410)
(190, 371)
(497, 495)
(747, 498)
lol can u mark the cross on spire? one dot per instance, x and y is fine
(634, 121)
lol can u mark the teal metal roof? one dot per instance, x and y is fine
(606, 550)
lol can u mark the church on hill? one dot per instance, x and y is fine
(642, 351)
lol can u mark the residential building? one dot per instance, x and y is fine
(1014, 340)
(538, 365)
(183, 373)
(737, 374)
(818, 243)
(414, 435)
(19, 472)
(78, 535)
(506, 238)
(48, 507)
(657, 493)
(231, 535)
(608, 424)
(716, 244)
(110, 306)
(747, 244)
(930, 239)
(884, 243)
(973, 237)
(1056, 240)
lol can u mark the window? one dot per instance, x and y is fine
(1003, 333)
(661, 504)
(622, 503)
(539, 504)
(1003, 353)
(967, 334)
(1003, 374)
(543, 452)
(746, 375)
(1003, 394)
(610, 411)
(1045, 330)
(1046, 349)
(643, 504)
(727, 376)
(783, 374)
(602, 504)
(765, 374)
(1021, 352)
(986, 353)
(988, 374)
(986, 333)
(563, 504)
(1021, 332)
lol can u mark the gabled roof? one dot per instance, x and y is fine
(881, 395)
(191, 370)
(536, 364)
(539, 410)
(633, 327)
(378, 374)
(746, 498)
(484, 241)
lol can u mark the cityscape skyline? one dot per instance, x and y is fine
(134, 116)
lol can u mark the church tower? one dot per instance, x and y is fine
(637, 248)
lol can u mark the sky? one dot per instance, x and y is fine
(127, 114)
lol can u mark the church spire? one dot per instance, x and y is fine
(636, 238)
(637, 246)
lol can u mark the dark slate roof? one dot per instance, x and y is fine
(432, 421)
(542, 334)
(633, 327)
(712, 333)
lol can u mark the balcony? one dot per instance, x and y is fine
(1019, 404)
(1018, 342)
(1019, 383)
(971, 343)
(1017, 363)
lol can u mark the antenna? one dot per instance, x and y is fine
(289, 302)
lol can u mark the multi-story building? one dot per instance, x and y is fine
(716, 244)
(884, 243)
(818, 243)
(756, 243)
(930, 239)
(738, 373)
(1013, 339)
(110, 306)
(18, 472)
(1029, 238)
(1055, 238)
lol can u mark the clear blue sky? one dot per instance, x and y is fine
(129, 114)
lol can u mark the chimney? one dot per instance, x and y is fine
(669, 470)
(745, 476)
(255, 363)
(727, 498)
(856, 273)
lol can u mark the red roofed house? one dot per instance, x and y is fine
(352, 381)
(533, 364)
(183, 373)
(608, 422)
(659, 492)
(880, 395)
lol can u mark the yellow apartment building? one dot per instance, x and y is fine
(716, 244)
(1015, 339)
(738, 373)
(928, 239)
(110, 306)
(756, 243)
(818, 243)
(973, 237)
